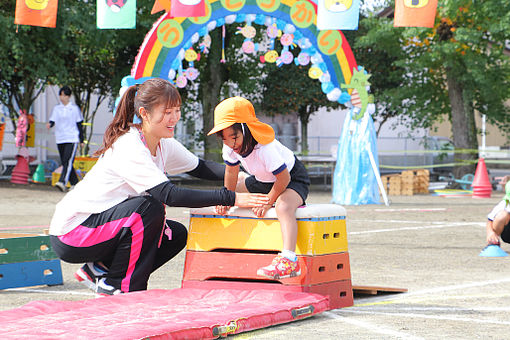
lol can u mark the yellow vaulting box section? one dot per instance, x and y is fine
(321, 230)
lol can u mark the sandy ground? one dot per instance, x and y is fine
(427, 244)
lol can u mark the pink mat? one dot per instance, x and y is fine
(184, 313)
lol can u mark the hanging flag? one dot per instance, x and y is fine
(116, 14)
(36, 12)
(160, 5)
(187, 8)
(415, 13)
(337, 14)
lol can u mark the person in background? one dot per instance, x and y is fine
(114, 220)
(498, 223)
(67, 119)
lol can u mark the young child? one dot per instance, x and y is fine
(114, 220)
(498, 224)
(274, 170)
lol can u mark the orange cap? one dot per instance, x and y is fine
(240, 110)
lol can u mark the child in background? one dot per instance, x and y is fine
(498, 224)
(274, 170)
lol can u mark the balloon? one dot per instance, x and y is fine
(334, 95)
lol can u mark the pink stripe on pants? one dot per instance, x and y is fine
(85, 237)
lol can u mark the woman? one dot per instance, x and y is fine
(115, 218)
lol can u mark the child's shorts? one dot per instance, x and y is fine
(299, 182)
(505, 235)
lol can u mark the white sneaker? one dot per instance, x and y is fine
(61, 186)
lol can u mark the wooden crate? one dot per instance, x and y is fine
(408, 183)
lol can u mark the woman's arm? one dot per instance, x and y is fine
(174, 196)
(209, 170)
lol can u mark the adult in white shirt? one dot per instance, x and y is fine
(114, 219)
(67, 119)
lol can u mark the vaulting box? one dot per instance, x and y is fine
(202, 265)
(321, 230)
(28, 260)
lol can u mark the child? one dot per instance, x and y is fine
(114, 219)
(498, 224)
(274, 170)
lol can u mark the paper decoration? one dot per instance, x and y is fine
(337, 14)
(36, 12)
(116, 14)
(187, 8)
(161, 5)
(415, 13)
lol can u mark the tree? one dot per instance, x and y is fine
(96, 59)
(27, 61)
(456, 69)
(293, 91)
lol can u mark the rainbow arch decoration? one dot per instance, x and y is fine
(164, 47)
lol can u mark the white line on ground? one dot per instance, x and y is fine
(370, 326)
(377, 308)
(70, 292)
(411, 209)
(449, 225)
(427, 316)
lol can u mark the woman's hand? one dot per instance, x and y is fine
(246, 200)
(221, 209)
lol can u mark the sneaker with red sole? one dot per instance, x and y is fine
(280, 268)
(89, 274)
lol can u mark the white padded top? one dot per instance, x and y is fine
(308, 211)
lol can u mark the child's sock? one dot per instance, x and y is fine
(289, 254)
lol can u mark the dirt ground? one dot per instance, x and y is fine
(425, 243)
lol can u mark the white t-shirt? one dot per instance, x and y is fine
(125, 170)
(65, 118)
(499, 207)
(264, 162)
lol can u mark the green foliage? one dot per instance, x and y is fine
(467, 42)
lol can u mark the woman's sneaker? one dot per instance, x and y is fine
(104, 289)
(89, 274)
(61, 186)
(280, 268)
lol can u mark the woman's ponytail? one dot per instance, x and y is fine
(122, 120)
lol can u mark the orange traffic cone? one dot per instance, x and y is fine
(482, 187)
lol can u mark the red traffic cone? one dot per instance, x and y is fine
(482, 187)
(21, 171)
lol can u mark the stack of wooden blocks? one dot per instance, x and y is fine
(409, 182)
(28, 260)
(224, 252)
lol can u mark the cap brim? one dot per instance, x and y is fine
(220, 127)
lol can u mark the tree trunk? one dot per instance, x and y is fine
(209, 93)
(463, 124)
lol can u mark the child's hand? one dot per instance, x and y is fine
(221, 209)
(261, 211)
(492, 238)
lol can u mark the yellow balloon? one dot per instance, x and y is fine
(314, 72)
(190, 55)
(271, 56)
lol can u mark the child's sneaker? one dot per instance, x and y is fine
(280, 268)
(104, 289)
(89, 273)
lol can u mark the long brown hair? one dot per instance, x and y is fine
(148, 95)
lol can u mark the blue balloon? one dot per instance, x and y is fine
(297, 35)
(322, 66)
(241, 17)
(344, 98)
(220, 22)
(280, 24)
(187, 45)
(260, 19)
(202, 31)
(327, 87)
